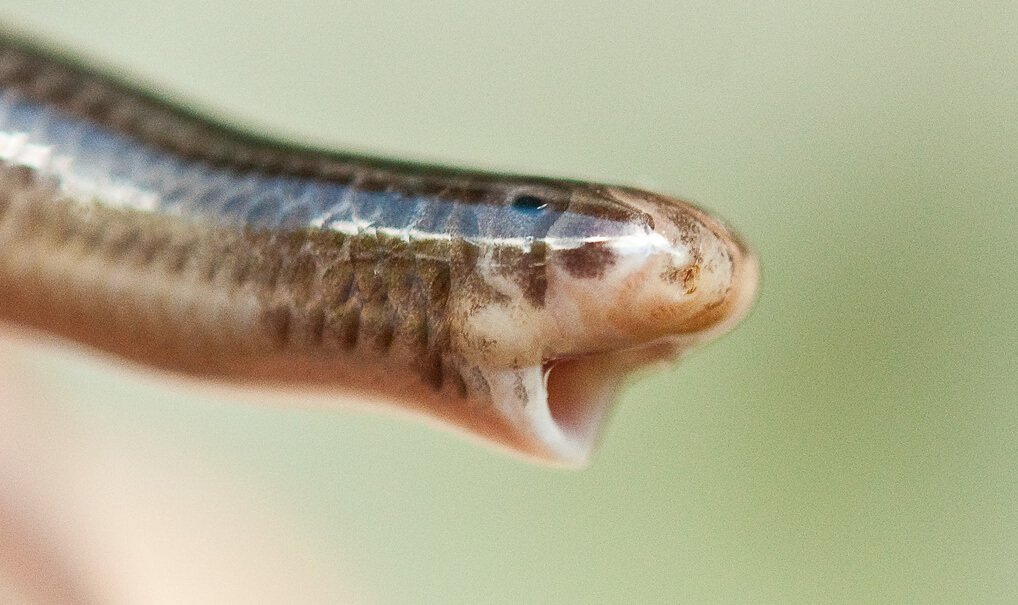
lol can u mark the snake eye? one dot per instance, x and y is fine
(531, 204)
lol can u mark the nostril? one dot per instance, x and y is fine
(690, 278)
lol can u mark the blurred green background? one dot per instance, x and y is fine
(854, 441)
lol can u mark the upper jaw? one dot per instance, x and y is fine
(700, 282)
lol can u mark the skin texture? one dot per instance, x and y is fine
(510, 307)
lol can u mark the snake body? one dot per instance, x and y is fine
(508, 306)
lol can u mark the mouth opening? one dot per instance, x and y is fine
(580, 394)
(580, 391)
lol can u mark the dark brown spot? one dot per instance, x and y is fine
(383, 330)
(350, 327)
(316, 325)
(386, 337)
(426, 188)
(374, 183)
(212, 266)
(690, 277)
(534, 277)
(123, 242)
(302, 273)
(152, 247)
(527, 268)
(459, 385)
(337, 284)
(589, 261)
(611, 211)
(465, 256)
(414, 326)
(277, 321)
(242, 269)
(266, 271)
(440, 283)
(470, 195)
(178, 257)
(431, 368)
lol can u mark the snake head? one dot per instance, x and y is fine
(632, 279)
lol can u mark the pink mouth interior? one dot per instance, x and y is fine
(581, 390)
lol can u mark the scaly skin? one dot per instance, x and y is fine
(508, 306)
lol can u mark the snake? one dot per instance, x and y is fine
(511, 308)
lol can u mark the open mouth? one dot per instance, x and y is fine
(581, 390)
(580, 393)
